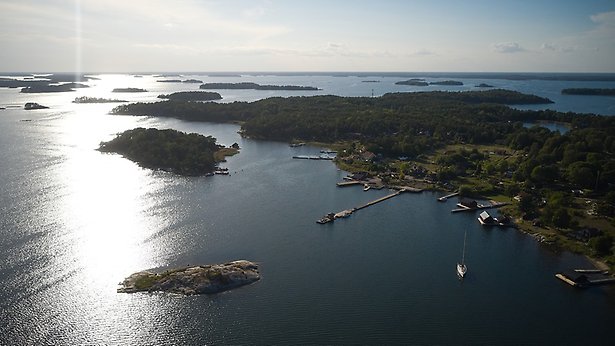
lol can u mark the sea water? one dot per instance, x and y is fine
(75, 221)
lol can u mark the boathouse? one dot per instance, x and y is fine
(485, 219)
(468, 203)
(579, 279)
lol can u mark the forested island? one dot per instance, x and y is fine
(54, 82)
(169, 150)
(192, 96)
(204, 279)
(589, 91)
(33, 105)
(128, 90)
(413, 82)
(559, 186)
(484, 85)
(87, 99)
(41, 88)
(422, 82)
(446, 82)
(254, 86)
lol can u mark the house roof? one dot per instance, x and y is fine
(485, 215)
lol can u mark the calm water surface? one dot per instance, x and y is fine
(75, 222)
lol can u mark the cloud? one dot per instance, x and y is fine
(604, 18)
(558, 48)
(508, 47)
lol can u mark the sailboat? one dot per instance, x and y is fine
(461, 267)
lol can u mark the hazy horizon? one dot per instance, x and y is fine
(319, 36)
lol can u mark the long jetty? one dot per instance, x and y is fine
(369, 204)
(444, 198)
(349, 183)
(346, 213)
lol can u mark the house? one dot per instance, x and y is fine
(485, 219)
(585, 234)
(579, 279)
(368, 156)
(359, 176)
(468, 203)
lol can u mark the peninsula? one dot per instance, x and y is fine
(169, 150)
(558, 186)
(254, 86)
(192, 96)
(203, 279)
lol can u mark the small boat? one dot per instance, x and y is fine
(366, 187)
(326, 219)
(442, 199)
(461, 267)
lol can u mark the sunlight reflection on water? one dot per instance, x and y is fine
(78, 221)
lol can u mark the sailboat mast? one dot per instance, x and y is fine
(463, 253)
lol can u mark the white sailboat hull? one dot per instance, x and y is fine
(461, 270)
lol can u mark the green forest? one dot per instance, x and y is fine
(170, 150)
(192, 96)
(547, 169)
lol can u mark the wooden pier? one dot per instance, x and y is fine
(480, 207)
(369, 204)
(348, 183)
(444, 198)
(346, 213)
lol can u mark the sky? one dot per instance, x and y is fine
(314, 35)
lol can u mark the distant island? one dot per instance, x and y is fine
(446, 82)
(224, 75)
(483, 85)
(70, 81)
(194, 81)
(192, 96)
(169, 150)
(422, 82)
(589, 91)
(203, 279)
(128, 90)
(87, 99)
(413, 82)
(254, 86)
(370, 81)
(33, 105)
(67, 87)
